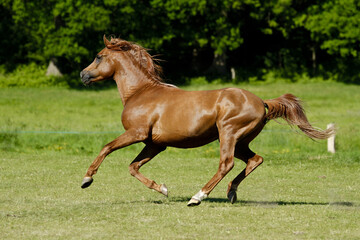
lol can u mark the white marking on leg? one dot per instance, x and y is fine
(200, 196)
(164, 189)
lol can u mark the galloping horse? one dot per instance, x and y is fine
(161, 115)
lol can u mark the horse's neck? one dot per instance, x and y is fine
(129, 84)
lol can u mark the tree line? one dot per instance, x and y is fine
(256, 38)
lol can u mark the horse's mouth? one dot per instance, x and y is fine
(86, 77)
(86, 81)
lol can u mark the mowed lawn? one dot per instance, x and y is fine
(49, 137)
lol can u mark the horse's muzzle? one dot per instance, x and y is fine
(85, 77)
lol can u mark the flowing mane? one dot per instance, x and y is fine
(141, 57)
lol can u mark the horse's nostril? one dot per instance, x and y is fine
(85, 77)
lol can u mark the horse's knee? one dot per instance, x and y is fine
(133, 169)
(107, 149)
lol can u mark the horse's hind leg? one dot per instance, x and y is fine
(252, 161)
(227, 146)
(146, 155)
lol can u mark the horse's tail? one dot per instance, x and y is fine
(290, 109)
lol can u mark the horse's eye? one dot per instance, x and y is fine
(98, 56)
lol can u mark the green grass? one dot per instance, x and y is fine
(49, 137)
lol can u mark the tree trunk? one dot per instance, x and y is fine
(313, 59)
(53, 70)
(219, 64)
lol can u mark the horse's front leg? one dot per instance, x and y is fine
(131, 136)
(149, 152)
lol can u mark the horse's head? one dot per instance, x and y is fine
(107, 61)
(103, 66)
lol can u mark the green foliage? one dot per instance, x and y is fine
(31, 75)
(58, 28)
(291, 38)
(335, 25)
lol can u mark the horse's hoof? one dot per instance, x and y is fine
(86, 182)
(164, 189)
(232, 196)
(193, 202)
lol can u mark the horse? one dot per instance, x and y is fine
(161, 115)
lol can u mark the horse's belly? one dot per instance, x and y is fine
(184, 139)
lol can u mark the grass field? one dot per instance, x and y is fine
(49, 137)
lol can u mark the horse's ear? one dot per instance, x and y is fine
(106, 42)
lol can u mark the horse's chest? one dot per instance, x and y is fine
(136, 117)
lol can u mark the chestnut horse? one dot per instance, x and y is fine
(161, 115)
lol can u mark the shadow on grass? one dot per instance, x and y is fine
(265, 203)
(219, 202)
(283, 203)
